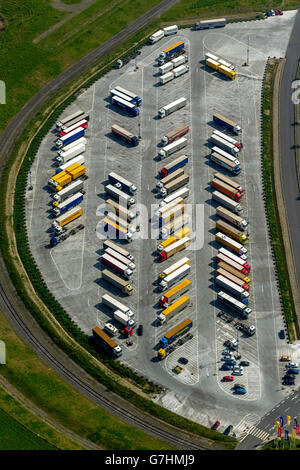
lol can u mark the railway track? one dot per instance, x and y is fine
(15, 311)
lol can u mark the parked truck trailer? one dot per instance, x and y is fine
(83, 116)
(220, 257)
(65, 219)
(174, 248)
(234, 219)
(130, 108)
(124, 319)
(68, 119)
(172, 107)
(169, 51)
(224, 144)
(223, 121)
(131, 94)
(83, 123)
(172, 148)
(116, 231)
(121, 211)
(208, 24)
(107, 343)
(233, 232)
(171, 295)
(231, 277)
(179, 330)
(65, 156)
(175, 134)
(171, 269)
(233, 245)
(156, 36)
(231, 302)
(80, 159)
(235, 271)
(225, 163)
(167, 77)
(121, 183)
(232, 287)
(68, 204)
(229, 139)
(227, 190)
(235, 258)
(60, 196)
(71, 137)
(168, 281)
(169, 178)
(114, 305)
(173, 309)
(174, 185)
(230, 182)
(122, 197)
(163, 209)
(175, 224)
(227, 202)
(185, 232)
(179, 162)
(121, 258)
(117, 266)
(124, 286)
(182, 193)
(118, 248)
(124, 134)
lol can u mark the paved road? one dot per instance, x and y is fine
(287, 141)
(13, 308)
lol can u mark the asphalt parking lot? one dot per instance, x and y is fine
(72, 269)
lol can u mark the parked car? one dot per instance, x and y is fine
(178, 369)
(289, 380)
(281, 334)
(226, 367)
(293, 371)
(240, 391)
(292, 365)
(231, 362)
(285, 358)
(278, 12)
(228, 378)
(140, 330)
(215, 426)
(183, 360)
(244, 363)
(237, 372)
(239, 386)
(228, 430)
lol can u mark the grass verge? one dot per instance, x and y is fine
(271, 202)
(297, 133)
(282, 444)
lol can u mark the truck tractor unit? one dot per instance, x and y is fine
(233, 232)
(124, 135)
(124, 286)
(173, 309)
(171, 295)
(65, 219)
(172, 107)
(105, 342)
(179, 162)
(179, 330)
(169, 52)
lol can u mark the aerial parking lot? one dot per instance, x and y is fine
(194, 386)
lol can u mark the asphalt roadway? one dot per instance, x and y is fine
(15, 311)
(287, 144)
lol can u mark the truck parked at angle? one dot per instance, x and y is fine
(105, 342)
(234, 184)
(60, 196)
(224, 144)
(122, 197)
(227, 202)
(227, 64)
(69, 138)
(228, 72)
(229, 157)
(80, 159)
(231, 302)
(207, 24)
(234, 219)
(246, 327)
(124, 286)
(63, 156)
(237, 280)
(121, 183)
(185, 232)
(178, 223)
(68, 119)
(61, 179)
(179, 162)
(173, 309)
(233, 245)
(124, 135)
(230, 263)
(65, 219)
(173, 147)
(229, 139)
(225, 163)
(175, 134)
(114, 305)
(231, 287)
(168, 281)
(176, 62)
(237, 259)
(172, 107)
(236, 272)
(223, 121)
(155, 37)
(170, 51)
(174, 248)
(124, 319)
(163, 209)
(121, 258)
(181, 70)
(174, 185)
(83, 123)
(82, 117)
(115, 231)
(224, 188)
(130, 94)
(169, 178)
(167, 77)
(179, 330)
(167, 215)
(169, 30)
(171, 295)
(182, 193)
(68, 204)
(117, 266)
(118, 248)
(171, 269)
(119, 210)
(120, 222)
(124, 97)
(125, 106)
(233, 232)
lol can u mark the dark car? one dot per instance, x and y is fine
(244, 363)
(288, 380)
(215, 426)
(293, 372)
(239, 386)
(183, 360)
(240, 391)
(281, 334)
(230, 362)
(140, 330)
(226, 367)
(228, 430)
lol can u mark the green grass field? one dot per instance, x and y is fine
(14, 436)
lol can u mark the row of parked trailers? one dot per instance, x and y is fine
(232, 273)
